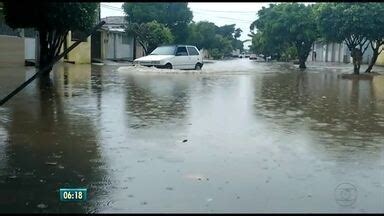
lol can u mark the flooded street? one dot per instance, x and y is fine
(238, 136)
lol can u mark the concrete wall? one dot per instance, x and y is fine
(336, 52)
(380, 59)
(115, 49)
(11, 50)
(139, 51)
(110, 46)
(82, 53)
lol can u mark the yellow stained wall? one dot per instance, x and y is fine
(380, 59)
(11, 50)
(82, 53)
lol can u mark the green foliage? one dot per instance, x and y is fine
(150, 35)
(285, 25)
(51, 16)
(215, 53)
(353, 23)
(202, 34)
(219, 41)
(176, 16)
(53, 20)
(226, 30)
(237, 33)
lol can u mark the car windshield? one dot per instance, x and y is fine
(164, 50)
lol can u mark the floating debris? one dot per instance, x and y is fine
(42, 206)
(51, 163)
(169, 188)
(185, 141)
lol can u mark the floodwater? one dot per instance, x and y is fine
(238, 136)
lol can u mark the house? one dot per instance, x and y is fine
(380, 59)
(16, 45)
(335, 52)
(80, 54)
(111, 42)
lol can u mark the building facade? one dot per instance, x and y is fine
(337, 52)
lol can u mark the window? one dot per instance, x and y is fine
(193, 51)
(164, 50)
(181, 51)
(77, 36)
(125, 39)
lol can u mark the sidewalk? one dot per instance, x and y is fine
(344, 66)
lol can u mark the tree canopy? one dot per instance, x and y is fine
(284, 25)
(176, 16)
(52, 20)
(151, 34)
(352, 23)
(56, 16)
(219, 40)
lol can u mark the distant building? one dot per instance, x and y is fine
(16, 45)
(380, 59)
(111, 42)
(335, 52)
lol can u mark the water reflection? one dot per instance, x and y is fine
(194, 142)
(45, 149)
(341, 113)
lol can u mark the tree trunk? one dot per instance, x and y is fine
(373, 61)
(50, 46)
(303, 49)
(302, 63)
(375, 45)
(44, 54)
(357, 56)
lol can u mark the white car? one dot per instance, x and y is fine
(173, 57)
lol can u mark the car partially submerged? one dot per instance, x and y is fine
(253, 57)
(173, 57)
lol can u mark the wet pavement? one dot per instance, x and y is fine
(238, 136)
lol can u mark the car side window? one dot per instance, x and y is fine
(192, 51)
(181, 51)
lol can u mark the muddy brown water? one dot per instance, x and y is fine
(239, 136)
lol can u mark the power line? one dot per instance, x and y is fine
(228, 18)
(238, 12)
(198, 12)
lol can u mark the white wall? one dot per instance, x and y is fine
(118, 50)
(30, 48)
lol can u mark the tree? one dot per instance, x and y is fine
(176, 16)
(150, 35)
(53, 21)
(375, 36)
(226, 30)
(237, 33)
(287, 23)
(217, 40)
(202, 34)
(350, 23)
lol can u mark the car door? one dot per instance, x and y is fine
(181, 59)
(194, 56)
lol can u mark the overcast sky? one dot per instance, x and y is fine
(241, 14)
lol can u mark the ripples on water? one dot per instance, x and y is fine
(145, 139)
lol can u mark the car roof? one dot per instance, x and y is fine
(179, 45)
